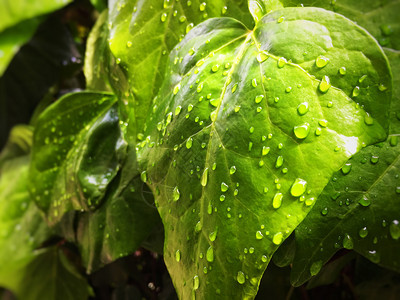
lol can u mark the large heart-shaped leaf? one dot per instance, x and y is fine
(359, 209)
(77, 151)
(143, 32)
(245, 133)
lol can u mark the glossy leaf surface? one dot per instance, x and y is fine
(360, 207)
(245, 134)
(78, 148)
(143, 32)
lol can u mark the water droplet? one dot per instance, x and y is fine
(348, 242)
(279, 162)
(259, 98)
(215, 68)
(262, 56)
(202, 6)
(346, 168)
(118, 61)
(321, 61)
(215, 102)
(234, 88)
(182, 19)
(363, 232)
(196, 282)
(309, 201)
(356, 91)
(278, 238)
(178, 110)
(240, 277)
(254, 82)
(129, 44)
(382, 87)
(189, 143)
(394, 230)
(163, 17)
(301, 131)
(315, 267)
(302, 109)
(176, 194)
(210, 254)
(198, 226)
(277, 200)
(232, 170)
(280, 20)
(143, 176)
(342, 71)
(265, 150)
(325, 84)
(224, 187)
(324, 211)
(178, 255)
(222, 198)
(288, 90)
(298, 187)
(259, 235)
(213, 236)
(323, 123)
(200, 87)
(374, 159)
(318, 131)
(282, 62)
(264, 258)
(177, 88)
(368, 119)
(204, 177)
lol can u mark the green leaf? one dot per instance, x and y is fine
(11, 39)
(15, 11)
(22, 228)
(19, 144)
(358, 208)
(100, 5)
(51, 276)
(77, 151)
(33, 71)
(394, 58)
(142, 34)
(259, 8)
(118, 227)
(241, 140)
(97, 56)
(380, 18)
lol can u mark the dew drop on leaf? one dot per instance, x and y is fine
(321, 61)
(302, 109)
(301, 131)
(277, 200)
(189, 143)
(262, 56)
(363, 232)
(298, 187)
(204, 177)
(278, 238)
(356, 91)
(325, 84)
(324, 211)
(202, 6)
(282, 62)
(315, 267)
(177, 88)
(224, 187)
(259, 235)
(279, 162)
(213, 235)
(210, 254)
(342, 71)
(259, 98)
(178, 255)
(232, 170)
(176, 194)
(348, 242)
(374, 159)
(394, 230)
(163, 17)
(240, 277)
(196, 282)
(346, 168)
(143, 176)
(198, 226)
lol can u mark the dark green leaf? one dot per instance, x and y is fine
(143, 32)
(15, 11)
(77, 151)
(22, 228)
(35, 68)
(224, 139)
(51, 276)
(380, 18)
(18, 144)
(100, 5)
(118, 227)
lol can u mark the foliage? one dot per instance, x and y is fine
(221, 134)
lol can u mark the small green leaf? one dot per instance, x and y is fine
(22, 228)
(52, 276)
(119, 226)
(273, 60)
(77, 151)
